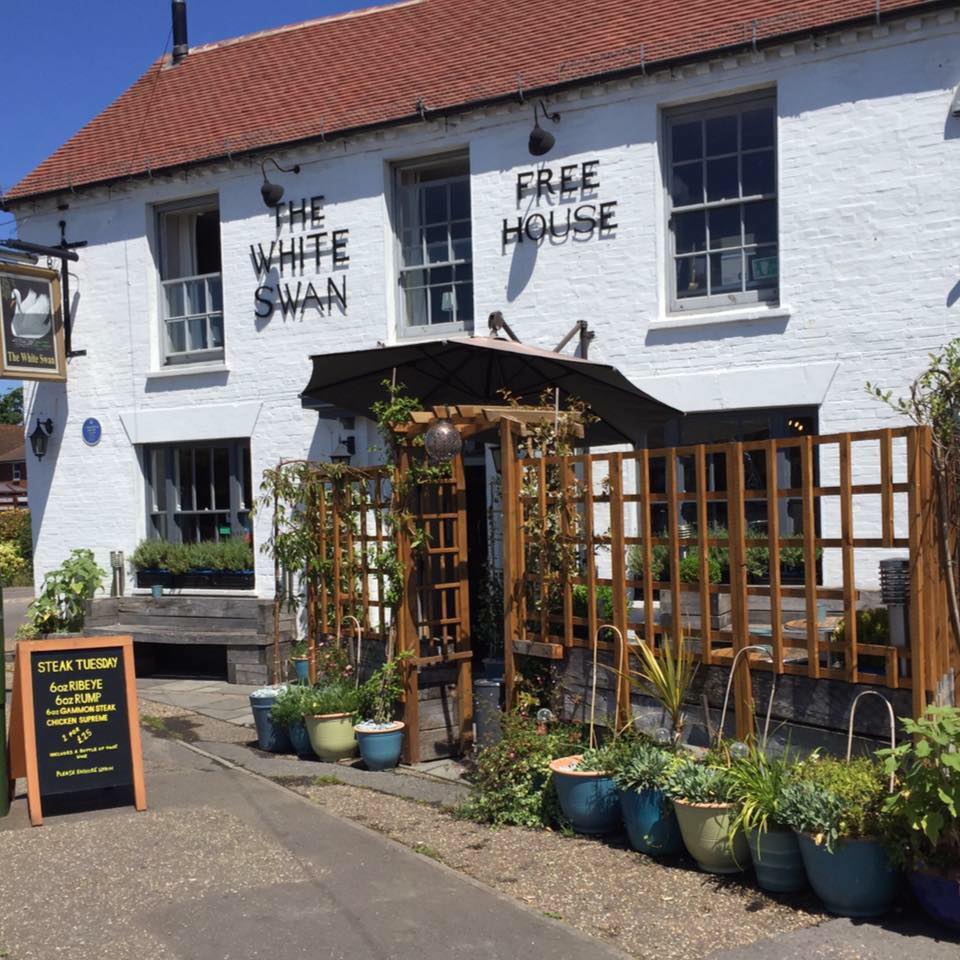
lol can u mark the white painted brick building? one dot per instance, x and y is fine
(866, 270)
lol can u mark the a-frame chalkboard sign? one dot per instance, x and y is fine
(74, 725)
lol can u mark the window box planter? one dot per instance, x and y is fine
(197, 579)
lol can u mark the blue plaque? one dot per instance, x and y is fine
(91, 431)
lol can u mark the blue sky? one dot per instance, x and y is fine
(73, 59)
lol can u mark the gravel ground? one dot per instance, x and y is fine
(648, 909)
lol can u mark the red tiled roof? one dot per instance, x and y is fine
(372, 67)
(11, 441)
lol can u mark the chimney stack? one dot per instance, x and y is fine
(180, 47)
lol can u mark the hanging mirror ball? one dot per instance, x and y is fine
(739, 750)
(442, 441)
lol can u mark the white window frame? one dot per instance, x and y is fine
(703, 111)
(17, 473)
(212, 286)
(404, 328)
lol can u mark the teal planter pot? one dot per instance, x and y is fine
(270, 737)
(939, 896)
(777, 860)
(300, 740)
(651, 822)
(380, 748)
(856, 880)
(301, 666)
(590, 801)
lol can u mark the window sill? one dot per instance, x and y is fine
(708, 318)
(187, 370)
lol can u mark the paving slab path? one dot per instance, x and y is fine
(228, 866)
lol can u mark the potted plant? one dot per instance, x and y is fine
(647, 813)
(270, 736)
(379, 735)
(287, 714)
(300, 658)
(659, 561)
(925, 810)
(328, 714)
(836, 808)
(703, 797)
(586, 791)
(758, 783)
(214, 565)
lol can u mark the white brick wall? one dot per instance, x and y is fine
(869, 214)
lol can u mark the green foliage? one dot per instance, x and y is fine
(690, 566)
(834, 800)
(337, 697)
(581, 606)
(697, 782)
(227, 555)
(61, 604)
(512, 783)
(333, 662)
(925, 807)
(758, 785)
(380, 694)
(660, 561)
(644, 766)
(873, 626)
(11, 563)
(597, 759)
(15, 528)
(11, 406)
(487, 616)
(291, 705)
(299, 650)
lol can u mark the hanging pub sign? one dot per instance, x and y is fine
(74, 726)
(31, 324)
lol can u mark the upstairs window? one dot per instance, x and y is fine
(435, 246)
(722, 203)
(191, 301)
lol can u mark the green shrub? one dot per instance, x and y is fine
(697, 782)
(924, 809)
(61, 604)
(644, 767)
(690, 566)
(873, 626)
(225, 555)
(380, 694)
(12, 563)
(290, 705)
(660, 561)
(833, 800)
(300, 649)
(339, 697)
(15, 528)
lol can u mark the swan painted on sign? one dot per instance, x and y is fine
(31, 315)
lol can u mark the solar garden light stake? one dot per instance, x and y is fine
(760, 648)
(359, 629)
(893, 726)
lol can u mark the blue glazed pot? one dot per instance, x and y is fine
(939, 896)
(777, 860)
(856, 880)
(302, 667)
(590, 801)
(380, 749)
(651, 822)
(300, 739)
(270, 737)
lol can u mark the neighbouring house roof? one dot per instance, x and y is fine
(11, 442)
(374, 66)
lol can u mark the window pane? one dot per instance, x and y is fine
(416, 301)
(215, 288)
(688, 184)
(442, 304)
(247, 483)
(725, 227)
(725, 271)
(216, 331)
(760, 222)
(721, 135)
(158, 478)
(460, 200)
(176, 337)
(202, 460)
(185, 478)
(722, 179)
(435, 204)
(691, 277)
(197, 328)
(174, 298)
(758, 173)
(460, 234)
(196, 296)
(686, 141)
(221, 477)
(438, 250)
(208, 242)
(412, 249)
(690, 230)
(465, 302)
(763, 268)
(757, 128)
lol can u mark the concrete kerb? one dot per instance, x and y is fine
(592, 947)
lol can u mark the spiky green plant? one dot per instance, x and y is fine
(758, 785)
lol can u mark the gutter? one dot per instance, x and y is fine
(879, 17)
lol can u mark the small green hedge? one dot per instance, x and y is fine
(232, 555)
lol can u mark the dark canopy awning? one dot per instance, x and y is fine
(474, 371)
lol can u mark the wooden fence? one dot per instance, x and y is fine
(686, 530)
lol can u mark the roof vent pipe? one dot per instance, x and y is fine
(180, 47)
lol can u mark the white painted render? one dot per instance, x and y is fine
(869, 213)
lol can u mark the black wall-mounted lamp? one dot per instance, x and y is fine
(541, 141)
(272, 193)
(41, 437)
(344, 450)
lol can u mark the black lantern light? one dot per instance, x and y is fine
(442, 441)
(272, 193)
(41, 437)
(541, 141)
(344, 450)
